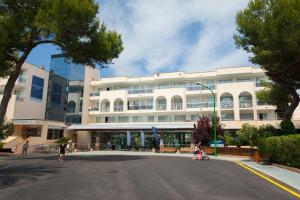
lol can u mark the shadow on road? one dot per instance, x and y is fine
(10, 175)
(95, 158)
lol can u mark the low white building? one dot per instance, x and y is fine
(123, 110)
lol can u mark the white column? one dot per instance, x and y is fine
(142, 138)
(128, 138)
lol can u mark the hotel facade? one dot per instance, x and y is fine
(122, 111)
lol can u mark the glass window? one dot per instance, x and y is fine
(163, 86)
(123, 119)
(246, 116)
(227, 116)
(226, 81)
(240, 80)
(137, 118)
(194, 117)
(179, 118)
(163, 118)
(150, 118)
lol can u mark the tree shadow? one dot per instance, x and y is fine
(23, 174)
(95, 158)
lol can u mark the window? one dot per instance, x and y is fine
(80, 106)
(241, 80)
(163, 86)
(263, 116)
(227, 117)
(98, 119)
(123, 119)
(137, 118)
(194, 117)
(32, 132)
(71, 107)
(54, 134)
(226, 81)
(246, 116)
(150, 118)
(163, 118)
(179, 118)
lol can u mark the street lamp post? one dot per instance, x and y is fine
(215, 117)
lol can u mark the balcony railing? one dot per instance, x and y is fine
(262, 103)
(94, 109)
(118, 108)
(227, 104)
(161, 106)
(194, 88)
(246, 104)
(140, 91)
(140, 107)
(176, 106)
(105, 109)
(94, 94)
(200, 105)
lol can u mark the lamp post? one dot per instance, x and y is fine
(215, 117)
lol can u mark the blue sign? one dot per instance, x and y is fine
(37, 87)
(155, 132)
(219, 143)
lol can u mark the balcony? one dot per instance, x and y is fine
(94, 109)
(140, 91)
(94, 94)
(176, 106)
(263, 103)
(226, 104)
(105, 109)
(200, 105)
(246, 104)
(140, 107)
(193, 88)
(118, 108)
(161, 106)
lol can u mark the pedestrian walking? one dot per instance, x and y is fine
(25, 148)
(62, 151)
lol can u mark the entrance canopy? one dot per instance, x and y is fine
(133, 126)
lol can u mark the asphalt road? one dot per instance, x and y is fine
(131, 177)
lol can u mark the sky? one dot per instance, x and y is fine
(167, 36)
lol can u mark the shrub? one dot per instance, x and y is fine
(248, 135)
(6, 129)
(63, 140)
(283, 149)
(229, 139)
(287, 127)
(267, 130)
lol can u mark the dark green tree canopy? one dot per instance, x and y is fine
(270, 30)
(71, 24)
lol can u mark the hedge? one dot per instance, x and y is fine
(283, 150)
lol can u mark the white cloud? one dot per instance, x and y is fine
(153, 39)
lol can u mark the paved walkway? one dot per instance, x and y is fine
(286, 176)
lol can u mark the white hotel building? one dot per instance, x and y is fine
(119, 107)
(123, 110)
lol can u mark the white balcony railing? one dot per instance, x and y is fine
(118, 108)
(105, 109)
(200, 105)
(161, 106)
(140, 107)
(227, 104)
(246, 104)
(140, 91)
(176, 106)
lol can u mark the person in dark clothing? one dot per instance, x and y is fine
(62, 151)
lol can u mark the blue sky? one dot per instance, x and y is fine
(168, 35)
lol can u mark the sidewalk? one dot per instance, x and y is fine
(286, 176)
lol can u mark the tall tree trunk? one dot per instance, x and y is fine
(11, 83)
(292, 91)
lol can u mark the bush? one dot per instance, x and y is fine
(267, 131)
(248, 135)
(229, 139)
(1, 145)
(63, 140)
(287, 127)
(283, 149)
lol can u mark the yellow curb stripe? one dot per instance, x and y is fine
(271, 181)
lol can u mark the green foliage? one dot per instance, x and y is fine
(248, 135)
(267, 130)
(287, 127)
(63, 140)
(6, 129)
(1, 145)
(229, 139)
(71, 24)
(283, 149)
(269, 30)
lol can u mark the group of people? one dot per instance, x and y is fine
(199, 153)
